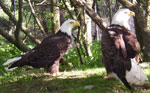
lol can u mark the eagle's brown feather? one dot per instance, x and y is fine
(48, 53)
(119, 45)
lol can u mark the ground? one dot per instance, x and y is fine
(89, 80)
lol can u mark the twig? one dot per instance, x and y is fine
(78, 50)
(94, 16)
(36, 18)
(69, 11)
(41, 2)
(13, 19)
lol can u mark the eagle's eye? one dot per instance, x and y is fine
(71, 22)
(126, 12)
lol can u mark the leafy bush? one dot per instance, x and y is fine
(90, 62)
(7, 51)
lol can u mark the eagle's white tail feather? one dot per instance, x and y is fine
(11, 60)
(136, 76)
(10, 69)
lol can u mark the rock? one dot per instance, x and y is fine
(89, 87)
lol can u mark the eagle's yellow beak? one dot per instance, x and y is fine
(131, 13)
(76, 24)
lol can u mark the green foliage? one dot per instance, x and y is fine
(8, 51)
(90, 62)
(49, 21)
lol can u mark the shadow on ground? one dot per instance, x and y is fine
(69, 82)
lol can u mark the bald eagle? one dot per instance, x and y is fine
(121, 50)
(49, 52)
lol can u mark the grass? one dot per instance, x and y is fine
(72, 81)
(74, 78)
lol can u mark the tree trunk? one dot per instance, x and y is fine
(88, 30)
(56, 16)
(146, 33)
(96, 35)
(110, 12)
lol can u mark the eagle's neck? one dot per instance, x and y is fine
(63, 33)
(66, 29)
(122, 23)
(126, 25)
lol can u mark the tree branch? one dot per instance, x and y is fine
(69, 10)
(8, 12)
(20, 46)
(126, 3)
(41, 2)
(7, 36)
(13, 19)
(36, 19)
(30, 35)
(94, 16)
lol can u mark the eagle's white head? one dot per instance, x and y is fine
(122, 17)
(67, 26)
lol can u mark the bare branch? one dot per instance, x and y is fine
(13, 19)
(20, 46)
(69, 10)
(8, 12)
(133, 1)
(78, 49)
(41, 2)
(30, 35)
(94, 16)
(36, 19)
(7, 36)
(126, 3)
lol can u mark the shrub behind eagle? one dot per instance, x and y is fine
(49, 52)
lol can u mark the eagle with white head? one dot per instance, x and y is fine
(49, 52)
(121, 17)
(121, 50)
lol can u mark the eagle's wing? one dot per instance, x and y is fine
(125, 40)
(132, 45)
(50, 50)
(114, 49)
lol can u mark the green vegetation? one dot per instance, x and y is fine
(74, 78)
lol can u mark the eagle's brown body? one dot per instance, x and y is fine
(119, 45)
(47, 54)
